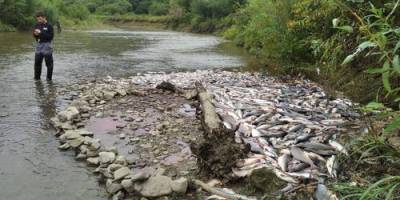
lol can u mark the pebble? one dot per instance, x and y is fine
(106, 157)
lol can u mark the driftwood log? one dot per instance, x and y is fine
(217, 152)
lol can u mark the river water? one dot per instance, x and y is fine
(31, 167)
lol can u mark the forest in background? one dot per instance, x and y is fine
(349, 45)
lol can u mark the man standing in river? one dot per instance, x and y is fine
(44, 34)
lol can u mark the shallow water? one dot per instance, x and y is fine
(31, 167)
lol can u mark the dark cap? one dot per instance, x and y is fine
(40, 14)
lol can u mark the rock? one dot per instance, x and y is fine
(190, 94)
(106, 157)
(93, 161)
(112, 187)
(118, 196)
(94, 146)
(180, 185)
(81, 156)
(166, 86)
(140, 175)
(120, 160)
(75, 143)
(64, 146)
(69, 114)
(108, 95)
(113, 167)
(155, 186)
(121, 173)
(127, 184)
(121, 91)
(122, 136)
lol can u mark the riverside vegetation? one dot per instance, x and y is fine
(349, 45)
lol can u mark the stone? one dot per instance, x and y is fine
(113, 167)
(127, 184)
(118, 196)
(70, 135)
(69, 114)
(180, 185)
(121, 173)
(112, 187)
(91, 153)
(106, 157)
(121, 91)
(64, 146)
(120, 160)
(122, 136)
(166, 86)
(81, 156)
(266, 180)
(155, 186)
(140, 175)
(75, 143)
(108, 95)
(93, 161)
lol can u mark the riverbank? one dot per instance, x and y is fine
(143, 123)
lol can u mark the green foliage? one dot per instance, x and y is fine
(115, 7)
(159, 8)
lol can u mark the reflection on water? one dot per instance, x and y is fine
(31, 167)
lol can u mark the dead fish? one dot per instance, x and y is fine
(246, 172)
(315, 156)
(332, 122)
(297, 167)
(340, 148)
(245, 129)
(284, 176)
(296, 128)
(248, 161)
(332, 166)
(303, 175)
(323, 193)
(254, 145)
(298, 154)
(283, 161)
(271, 133)
(314, 145)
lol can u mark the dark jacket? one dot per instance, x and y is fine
(46, 33)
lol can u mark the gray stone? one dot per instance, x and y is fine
(155, 186)
(64, 146)
(108, 95)
(118, 196)
(112, 187)
(140, 175)
(121, 173)
(106, 157)
(113, 167)
(120, 160)
(93, 161)
(127, 184)
(75, 143)
(81, 156)
(69, 114)
(180, 185)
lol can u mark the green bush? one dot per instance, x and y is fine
(117, 7)
(158, 8)
(78, 11)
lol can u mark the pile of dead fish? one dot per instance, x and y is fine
(291, 127)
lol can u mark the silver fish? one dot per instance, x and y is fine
(298, 154)
(338, 147)
(283, 161)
